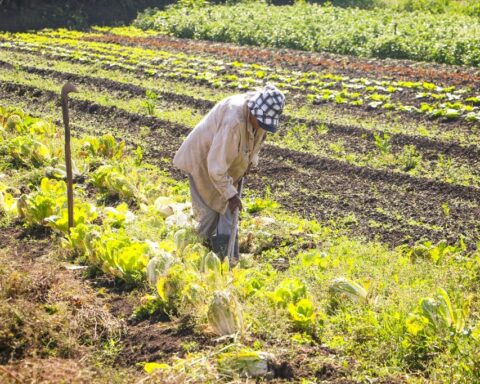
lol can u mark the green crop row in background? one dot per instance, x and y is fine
(382, 33)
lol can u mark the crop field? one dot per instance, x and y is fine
(359, 232)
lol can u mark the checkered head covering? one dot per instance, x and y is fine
(267, 106)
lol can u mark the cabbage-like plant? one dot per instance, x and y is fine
(18, 122)
(47, 201)
(342, 288)
(180, 289)
(246, 363)
(81, 238)
(178, 219)
(163, 206)
(429, 250)
(184, 237)
(116, 181)
(83, 213)
(8, 204)
(119, 216)
(211, 263)
(249, 281)
(14, 122)
(47, 206)
(193, 255)
(224, 314)
(59, 172)
(42, 128)
(28, 151)
(158, 266)
(436, 323)
(119, 255)
(104, 146)
(441, 314)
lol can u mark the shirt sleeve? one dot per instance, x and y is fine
(222, 153)
(256, 156)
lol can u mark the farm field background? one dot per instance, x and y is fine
(360, 229)
(383, 32)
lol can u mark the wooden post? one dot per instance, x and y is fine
(66, 89)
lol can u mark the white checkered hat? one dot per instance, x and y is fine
(267, 106)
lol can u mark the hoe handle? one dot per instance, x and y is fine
(66, 89)
(233, 234)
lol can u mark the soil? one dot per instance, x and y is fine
(357, 139)
(301, 60)
(28, 254)
(406, 96)
(146, 341)
(150, 340)
(311, 359)
(402, 208)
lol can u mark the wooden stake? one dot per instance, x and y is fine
(66, 89)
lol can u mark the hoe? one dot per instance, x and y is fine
(234, 234)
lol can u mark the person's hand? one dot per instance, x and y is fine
(234, 203)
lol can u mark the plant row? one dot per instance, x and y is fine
(422, 98)
(380, 33)
(378, 151)
(133, 222)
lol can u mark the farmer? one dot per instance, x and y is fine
(219, 151)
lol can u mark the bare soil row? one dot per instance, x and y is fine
(405, 97)
(356, 138)
(301, 60)
(402, 208)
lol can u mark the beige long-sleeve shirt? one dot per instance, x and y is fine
(219, 149)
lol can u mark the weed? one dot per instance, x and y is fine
(410, 158)
(383, 144)
(150, 102)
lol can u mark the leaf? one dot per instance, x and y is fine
(152, 367)
(416, 323)
(302, 313)
(349, 289)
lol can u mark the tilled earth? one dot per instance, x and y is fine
(357, 135)
(301, 60)
(378, 204)
(395, 208)
(39, 345)
(407, 96)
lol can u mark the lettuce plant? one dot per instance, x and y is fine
(8, 204)
(47, 201)
(302, 314)
(119, 216)
(119, 255)
(117, 181)
(28, 151)
(105, 147)
(289, 291)
(342, 288)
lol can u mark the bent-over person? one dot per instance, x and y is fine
(219, 151)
